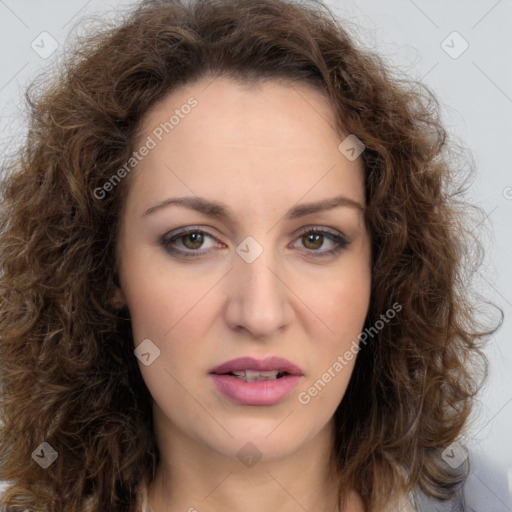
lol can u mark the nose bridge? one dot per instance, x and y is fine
(257, 295)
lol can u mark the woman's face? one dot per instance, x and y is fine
(250, 280)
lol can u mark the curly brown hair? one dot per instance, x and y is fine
(68, 372)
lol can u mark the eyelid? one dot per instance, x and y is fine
(320, 229)
(185, 230)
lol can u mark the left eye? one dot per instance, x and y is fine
(314, 238)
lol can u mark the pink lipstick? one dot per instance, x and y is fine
(249, 381)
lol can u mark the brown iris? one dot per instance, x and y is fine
(197, 240)
(315, 243)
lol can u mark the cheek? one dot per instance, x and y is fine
(175, 315)
(342, 302)
(342, 305)
(160, 306)
(172, 314)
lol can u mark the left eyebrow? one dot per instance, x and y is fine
(303, 209)
(220, 210)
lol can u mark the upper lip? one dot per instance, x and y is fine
(261, 365)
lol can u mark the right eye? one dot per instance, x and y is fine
(189, 241)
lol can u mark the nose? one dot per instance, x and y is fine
(258, 297)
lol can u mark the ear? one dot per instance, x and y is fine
(118, 299)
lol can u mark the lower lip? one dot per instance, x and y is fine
(265, 392)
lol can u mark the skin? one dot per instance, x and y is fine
(260, 150)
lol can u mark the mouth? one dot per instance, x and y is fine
(249, 381)
(263, 369)
(254, 376)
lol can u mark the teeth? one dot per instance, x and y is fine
(254, 376)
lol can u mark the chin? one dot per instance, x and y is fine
(266, 441)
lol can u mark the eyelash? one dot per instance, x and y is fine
(166, 241)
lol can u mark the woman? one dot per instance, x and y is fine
(233, 275)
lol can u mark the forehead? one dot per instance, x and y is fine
(244, 138)
(246, 110)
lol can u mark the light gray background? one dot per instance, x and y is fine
(475, 90)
